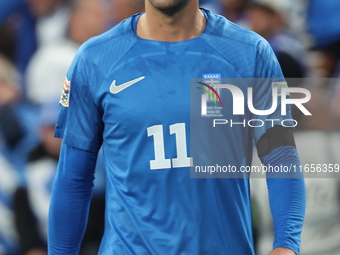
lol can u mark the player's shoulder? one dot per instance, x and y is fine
(111, 41)
(97, 55)
(222, 30)
(244, 49)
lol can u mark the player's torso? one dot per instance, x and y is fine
(145, 99)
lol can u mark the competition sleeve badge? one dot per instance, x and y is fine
(65, 95)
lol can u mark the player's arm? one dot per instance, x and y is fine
(287, 194)
(81, 127)
(276, 146)
(70, 202)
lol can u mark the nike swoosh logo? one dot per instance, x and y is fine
(116, 89)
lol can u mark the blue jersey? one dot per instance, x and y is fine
(131, 96)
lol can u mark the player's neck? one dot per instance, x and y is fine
(187, 24)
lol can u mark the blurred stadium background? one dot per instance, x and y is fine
(38, 40)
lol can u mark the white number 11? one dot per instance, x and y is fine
(160, 162)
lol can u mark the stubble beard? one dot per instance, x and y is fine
(169, 9)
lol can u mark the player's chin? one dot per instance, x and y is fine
(169, 7)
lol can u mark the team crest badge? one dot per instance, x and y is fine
(211, 95)
(280, 86)
(65, 95)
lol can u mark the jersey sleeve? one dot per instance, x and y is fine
(80, 119)
(268, 74)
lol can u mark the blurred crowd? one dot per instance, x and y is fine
(38, 40)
